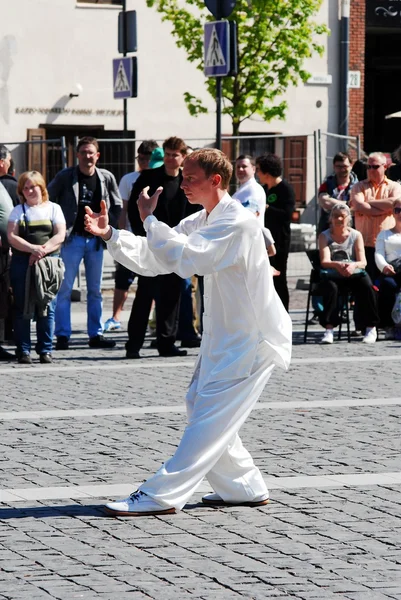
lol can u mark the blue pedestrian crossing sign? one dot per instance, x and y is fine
(123, 78)
(217, 49)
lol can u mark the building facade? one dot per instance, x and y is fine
(56, 83)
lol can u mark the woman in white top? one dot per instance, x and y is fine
(36, 228)
(342, 258)
(388, 261)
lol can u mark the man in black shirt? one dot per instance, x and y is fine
(9, 181)
(172, 207)
(280, 204)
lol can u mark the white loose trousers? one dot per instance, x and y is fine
(210, 445)
(246, 331)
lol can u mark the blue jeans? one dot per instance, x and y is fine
(76, 248)
(186, 330)
(22, 327)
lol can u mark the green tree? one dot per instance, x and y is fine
(274, 39)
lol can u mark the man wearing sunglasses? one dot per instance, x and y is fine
(372, 202)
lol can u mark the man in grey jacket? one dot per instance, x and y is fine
(74, 188)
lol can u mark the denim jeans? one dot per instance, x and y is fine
(186, 330)
(22, 327)
(76, 248)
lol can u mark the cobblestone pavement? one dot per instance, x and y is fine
(326, 435)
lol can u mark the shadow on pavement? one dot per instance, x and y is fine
(70, 510)
(43, 512)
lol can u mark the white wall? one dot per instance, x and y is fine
(50, 45)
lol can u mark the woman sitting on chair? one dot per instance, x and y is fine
(342, 259)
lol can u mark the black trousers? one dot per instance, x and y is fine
(365, 300)
(279, 262)
(139, 317)
(390, 285)
(371, 268)
(168, 298)
(166, 291)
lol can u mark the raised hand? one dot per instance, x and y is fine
(146, 204)
(97, 223)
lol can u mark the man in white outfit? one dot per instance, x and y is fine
(250, 193)
(246, 331)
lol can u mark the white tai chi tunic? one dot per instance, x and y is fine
(246, 331)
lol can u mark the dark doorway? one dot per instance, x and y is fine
(382, 95)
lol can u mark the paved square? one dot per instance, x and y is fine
(78, 432)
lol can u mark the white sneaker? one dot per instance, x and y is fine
(328, 337)
(370, 336)
(136, 505)
(216, 500)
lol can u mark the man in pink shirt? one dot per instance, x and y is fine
(372, 202)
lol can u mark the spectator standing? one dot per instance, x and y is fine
(9, 181)
(242, 340)
(123, 278)
(250, 193)
(36, 229)
(166, 289)
(336, 188)
(280, 205)
(372, 202)
(73, 189)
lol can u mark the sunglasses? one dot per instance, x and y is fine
(397, 210)
(375, 167)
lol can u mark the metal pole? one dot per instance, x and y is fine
(218, 113)
(76, 140)
(125, 104)
(316, 183)
(63, 152)
(319, 142)
(344, 66)
(125, 117)
(358, 147)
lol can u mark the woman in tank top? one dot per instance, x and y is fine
(36, 228)
(342, 258)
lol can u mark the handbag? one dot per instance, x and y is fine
(333, 274)
(396, 263)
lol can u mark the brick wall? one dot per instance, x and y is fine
(356, 97)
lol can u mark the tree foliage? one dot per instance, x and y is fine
(274, 39)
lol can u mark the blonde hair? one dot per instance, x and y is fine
(213, 162)
(37, 179)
